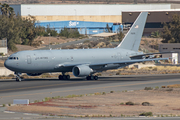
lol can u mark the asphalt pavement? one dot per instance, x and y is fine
(38, 89)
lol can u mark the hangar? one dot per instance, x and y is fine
(88, 18)
(84, 12)
(155, 19)
(83, 27)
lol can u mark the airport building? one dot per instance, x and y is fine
(83, 27)
(170, 47)
(3, 47)
(154, 21)
(88, 18)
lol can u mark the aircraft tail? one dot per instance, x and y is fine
(133, 38)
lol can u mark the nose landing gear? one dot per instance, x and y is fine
(18, 78)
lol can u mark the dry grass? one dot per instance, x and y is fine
(174, 86)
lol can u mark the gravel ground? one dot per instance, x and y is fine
(163, 101)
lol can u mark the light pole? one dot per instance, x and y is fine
(49, 39)
(75, 16)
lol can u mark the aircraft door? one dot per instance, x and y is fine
(28, 59)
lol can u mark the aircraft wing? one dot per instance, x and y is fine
(129, 61)
(106, 63)
(141, 55)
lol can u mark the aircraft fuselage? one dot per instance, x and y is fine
(42, 61)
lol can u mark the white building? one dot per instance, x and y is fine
(85, 12)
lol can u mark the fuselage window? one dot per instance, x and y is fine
(14, 58)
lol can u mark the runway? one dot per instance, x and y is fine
(38, 89)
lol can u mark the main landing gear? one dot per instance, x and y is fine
(18, 78)
(91, 77)
(64, 77)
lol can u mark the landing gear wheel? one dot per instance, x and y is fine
(67, 77)
(95, 77)
(64, 77)
(92, 77)
(88, 78)
(60, 77)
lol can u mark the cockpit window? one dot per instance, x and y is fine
(13, 58)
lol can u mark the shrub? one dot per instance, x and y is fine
(111, 91)
(86, 115)
(71, 96)
(118, 73)
(129, 103)
(148, 88)
(163, 86)
(97, 93)
(99, 74)
(10, 75)
(4, 105)
(70, 33)
(36, 101)
(156, 87)
(45, 75)
(155, 69)
(47, 99)
(146, 114)
(103, 93)
(146, 104)
(122, 103)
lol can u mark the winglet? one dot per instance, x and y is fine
(133, 38)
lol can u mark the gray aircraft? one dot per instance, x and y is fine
(82, 62)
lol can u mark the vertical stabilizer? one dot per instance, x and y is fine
(133, 38)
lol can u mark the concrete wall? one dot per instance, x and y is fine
(3, 50)
(5, 71)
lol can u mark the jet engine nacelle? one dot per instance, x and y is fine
(81, 70)
(34, 74)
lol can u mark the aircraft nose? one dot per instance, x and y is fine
(7, 64)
